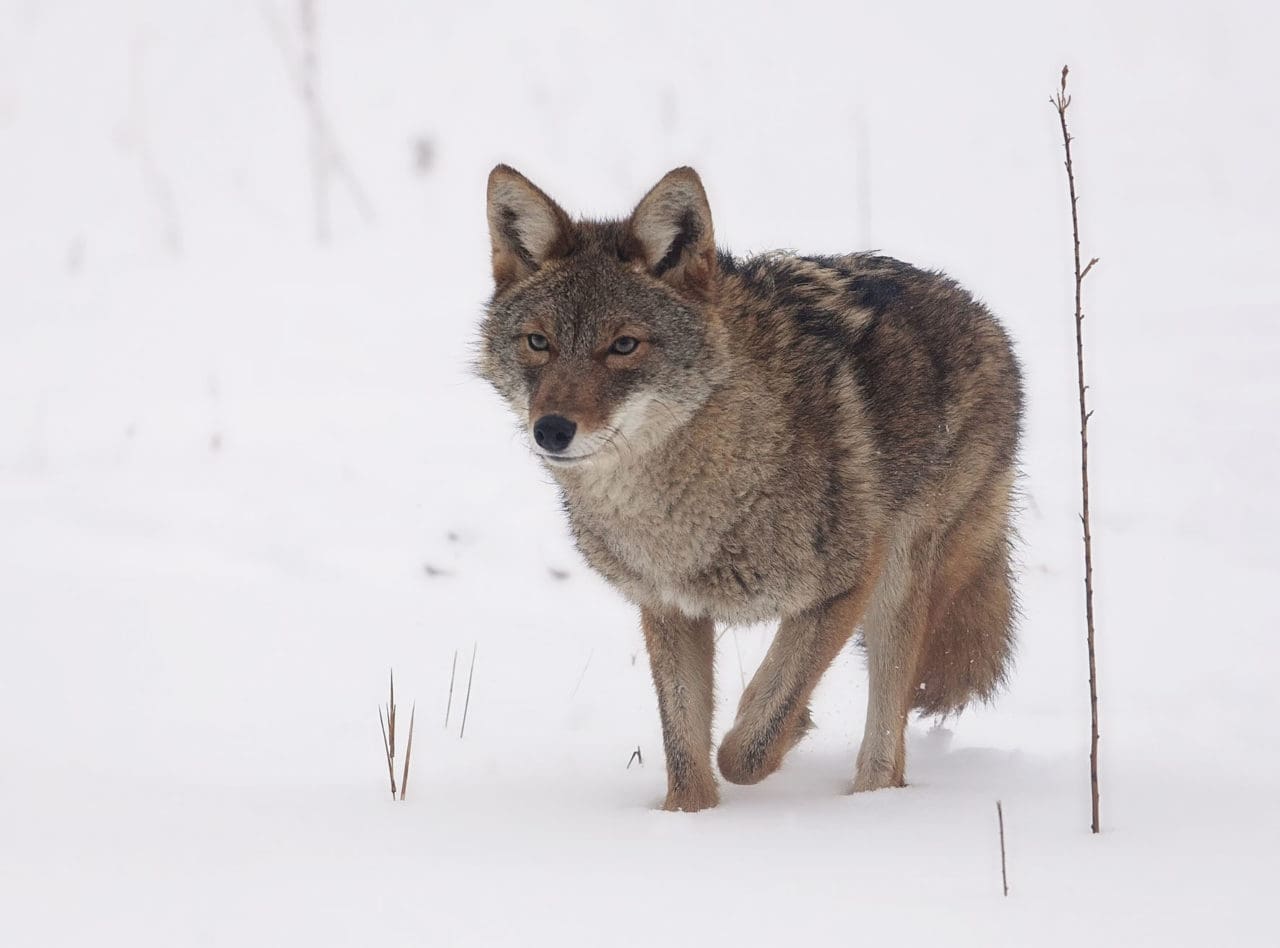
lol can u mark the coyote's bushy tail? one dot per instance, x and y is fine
(969, 640)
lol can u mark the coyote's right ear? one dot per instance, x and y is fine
(526, 227)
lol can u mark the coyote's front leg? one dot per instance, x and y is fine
(773, 714)
(681, 655)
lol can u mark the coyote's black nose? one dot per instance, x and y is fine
(553, 433)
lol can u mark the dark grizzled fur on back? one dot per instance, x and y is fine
(908, 335)
(827, 441)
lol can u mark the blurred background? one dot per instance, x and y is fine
(244, 467)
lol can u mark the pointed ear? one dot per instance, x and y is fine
(526, 227)
(670, 233)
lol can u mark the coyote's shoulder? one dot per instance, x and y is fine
(933, 367)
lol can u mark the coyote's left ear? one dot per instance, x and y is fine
(670, 233)
(526, 227)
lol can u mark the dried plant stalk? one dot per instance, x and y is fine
(386, 752)
(453, 673)
(1061, 102)
(466, 705)
(408, 750)
(391, 717)
(1004, 872)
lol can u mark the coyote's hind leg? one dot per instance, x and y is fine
(893, 633)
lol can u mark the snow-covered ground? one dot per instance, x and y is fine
(241, 475)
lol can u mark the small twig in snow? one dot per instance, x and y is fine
(408, 749)
(452, 675)
(391, 717)
(466, 705)
(1004, 872)
(386, 751)
(583, 675)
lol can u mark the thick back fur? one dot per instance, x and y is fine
(795, 428)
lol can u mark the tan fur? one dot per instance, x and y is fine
(773, 713)
(575, 394)
(532, 227)
(971, 601)
(681, 652)
(826, 441)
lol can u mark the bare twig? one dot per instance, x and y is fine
(635, 758)
(310, 69)
(466, 705)
(324, 140)
(1061, 103)
(386, 751)
(391, 717)
(408, 750)
(1004, 872)
(583, 674)
(156, 181)
(452, 674)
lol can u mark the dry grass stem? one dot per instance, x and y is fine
(386, 752)
(408, 750)
(583, 675)
(391, 717)
(466, 705)
(1004, 872)
(453, 673)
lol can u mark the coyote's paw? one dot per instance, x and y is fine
(747, 759)
(876, 777)
(691, 800)
(749, 753)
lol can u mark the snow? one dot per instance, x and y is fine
(225, 469)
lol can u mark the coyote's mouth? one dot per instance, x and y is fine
(567, 459)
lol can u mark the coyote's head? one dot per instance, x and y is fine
(601, 334)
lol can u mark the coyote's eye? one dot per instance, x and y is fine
(624, 345)
(538, 342)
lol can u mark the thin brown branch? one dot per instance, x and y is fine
(466, 705)
(408, 750)
(635, 758)
(1004, 871)
(1061, 103)
(386, 752)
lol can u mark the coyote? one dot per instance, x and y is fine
(826, 441)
